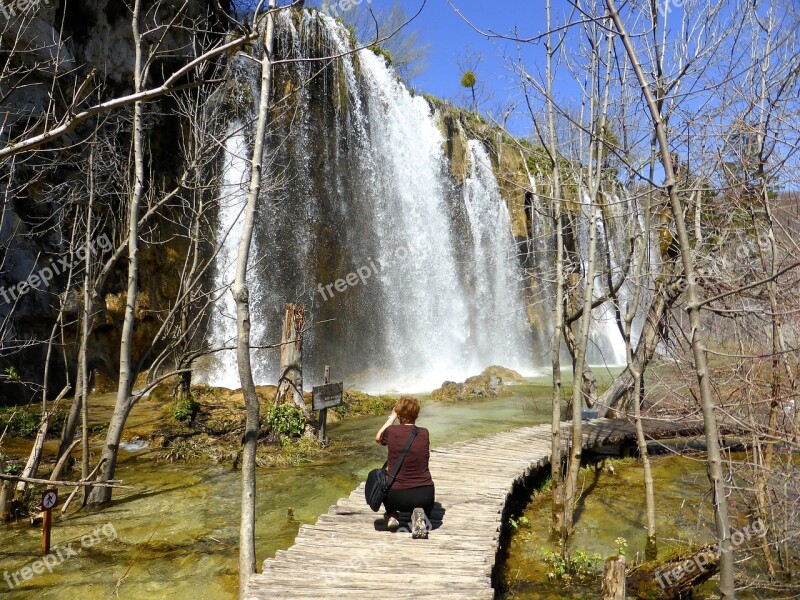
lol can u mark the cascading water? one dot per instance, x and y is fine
(606, 346)
(499, 326)
(232, 198)
(408, 277)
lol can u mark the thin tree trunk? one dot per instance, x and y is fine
(247, 549)
(651, 546)
(579, 383)
(35, 456)
(714, 458)
(71, 423)
(770, 261)
(124, 401)
(576, 441)
(85, 325)
(557, 513)
(6, 488)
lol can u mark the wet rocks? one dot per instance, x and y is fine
(488, 384)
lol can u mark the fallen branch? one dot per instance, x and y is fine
(91, 477)
(113, 483)
(63, 460)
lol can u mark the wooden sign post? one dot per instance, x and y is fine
(324, 397)
(49, 500)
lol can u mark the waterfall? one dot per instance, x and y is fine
(606, 345)
(232, 197)
(499, 328)
(409, 273)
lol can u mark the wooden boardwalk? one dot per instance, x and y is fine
(349, 554)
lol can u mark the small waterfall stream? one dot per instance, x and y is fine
(500, 323)
(232, 198)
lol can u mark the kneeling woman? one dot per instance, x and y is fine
(413, 487)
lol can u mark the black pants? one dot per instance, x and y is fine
(407, 500)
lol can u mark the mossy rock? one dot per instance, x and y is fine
(449, 392)
(485, 385)
(355, 403)
(503, 373)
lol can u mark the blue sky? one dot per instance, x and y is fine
(449, 36)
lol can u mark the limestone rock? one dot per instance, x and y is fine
(488, 384)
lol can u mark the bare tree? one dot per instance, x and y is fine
(715, 469)
(240, 291)
(405, 47)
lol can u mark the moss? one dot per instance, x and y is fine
(382, 52)
(356, 403)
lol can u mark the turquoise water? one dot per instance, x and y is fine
(614, 507)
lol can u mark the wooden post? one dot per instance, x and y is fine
(614, 579)
(49, 500)
(323, 414)
(46, 525)
(290, 384)
(5, 494)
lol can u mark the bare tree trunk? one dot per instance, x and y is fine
(580, 385)
(557, 512)
(290, 382)
(71, 423)
(714, 459)
(6, 488)
(576, 441)
(247, 546)
(124, 401)
(651, 546)
(35, 456)
(83, 371)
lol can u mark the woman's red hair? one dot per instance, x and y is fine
(407, 409)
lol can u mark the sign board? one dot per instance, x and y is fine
(327, 396)
(49, 499)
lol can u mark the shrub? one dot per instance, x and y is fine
(578, 566)
(185, 409)
(382, 52)
(25, 423)
(287, 419)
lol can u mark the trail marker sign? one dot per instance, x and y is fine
(324, 397)
(49, 499)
